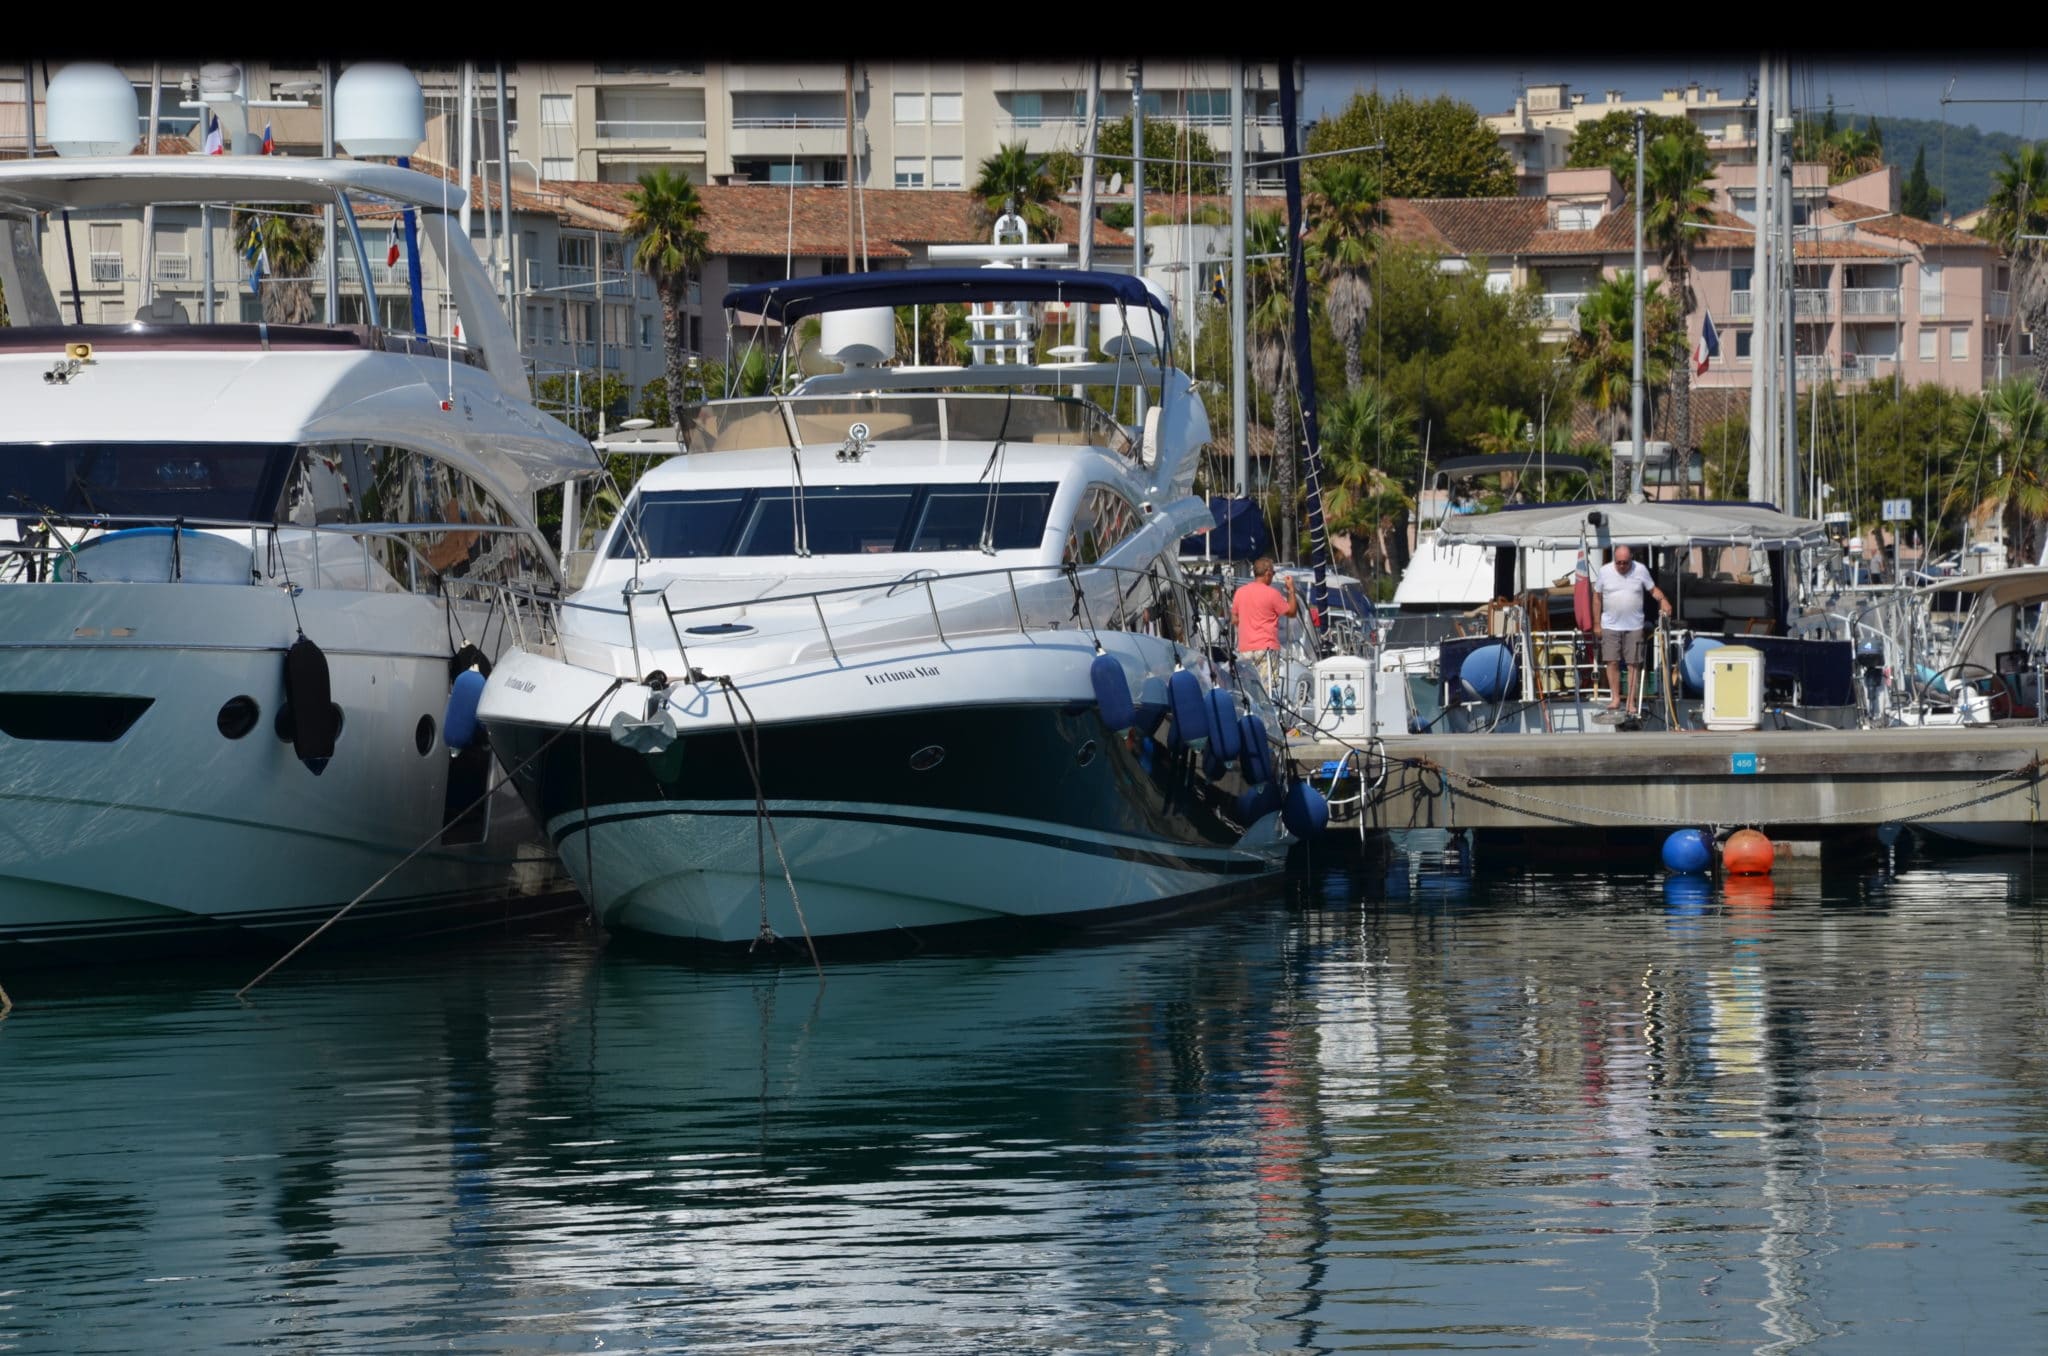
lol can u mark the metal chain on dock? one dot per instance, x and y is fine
(1884, 814)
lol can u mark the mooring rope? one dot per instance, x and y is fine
(377, 884)
(763, 819)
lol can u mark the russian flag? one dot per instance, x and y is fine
(269, 144)
(214, 144)
(1708, 348)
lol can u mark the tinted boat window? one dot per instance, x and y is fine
(953, 518)
(838, 519)
(229, 482)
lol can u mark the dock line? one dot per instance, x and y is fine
(338, 914)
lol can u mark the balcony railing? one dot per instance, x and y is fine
(1998, 305)
(1930, 303)
(1560, 308)
(1812, 301)
(106, 268)
(788, 124)
(1850, 367)
(1742, 304)
(569, 276)
(1870, 301)
(630, 129)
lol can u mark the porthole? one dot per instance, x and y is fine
(423, 736)
(1085, 754)
(238, 716)
(927, 758)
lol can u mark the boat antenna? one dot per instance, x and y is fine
(447, 256)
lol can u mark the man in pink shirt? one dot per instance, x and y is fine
(1257, 608)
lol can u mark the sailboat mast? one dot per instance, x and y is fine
(1088, 205)
(1788, 296)
(467, 116)
(1240, 451)
(1138, 199)
(1304, 365)
(1761, 423)
(1635, 385)
(850, 265)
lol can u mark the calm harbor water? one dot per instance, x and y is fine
(1377, 1111)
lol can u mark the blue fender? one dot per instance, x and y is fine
(1112, 693)
(1224, 735)
(1190, 710)
(458, 724)
(1305, 811)
(1256, 758)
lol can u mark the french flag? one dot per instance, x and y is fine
(214, 144)
(391, 255)
(1708, 348)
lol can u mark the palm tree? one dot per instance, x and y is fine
(1603, 351)
(939, 338)
(1368, 453)
(290, 243)
(1503, 431)
(2016, 211)
(1271, 321)
(2007, 468)
(666, 221)
(1014, 179)
(1344, 215)
(1852, 151)
(1675, 202)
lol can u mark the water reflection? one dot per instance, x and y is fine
(1404, 1105)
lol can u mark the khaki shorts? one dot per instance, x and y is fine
(1266, 663)
(1622, 647)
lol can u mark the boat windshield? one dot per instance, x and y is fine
(744, 425)
(838, 520)
(217, 482)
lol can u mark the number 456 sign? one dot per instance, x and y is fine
(1898, 510)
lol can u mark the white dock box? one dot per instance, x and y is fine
(1734, 688)
(1343, 696)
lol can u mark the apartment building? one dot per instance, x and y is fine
(1538, 130)
(1880, 296)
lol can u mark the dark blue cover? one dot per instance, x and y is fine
(791, 299)
(1240, 533)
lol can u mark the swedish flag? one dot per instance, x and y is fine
(1216, 290)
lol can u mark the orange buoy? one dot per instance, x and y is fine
(1747, 853)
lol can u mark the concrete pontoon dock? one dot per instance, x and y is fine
(1795, 784)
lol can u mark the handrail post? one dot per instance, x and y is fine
(937, 625)
(1023, 629)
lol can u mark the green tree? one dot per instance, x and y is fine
(1610, 142)
(1675, 203)
(1603, 351)
(290, 241)
(1368, 453)
(1270, 314)
(2006, 467)
(1178, 158)
(1850, 152)
(665, 221)
(1919, 198)
(1828, 127)
(1015, 179)
(1445, 349)
(2015, 216)
(1344, 216)
(932, 336)
(1504, 429)
(1434, 148)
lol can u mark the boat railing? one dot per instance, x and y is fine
(336, 556)
(833, 623)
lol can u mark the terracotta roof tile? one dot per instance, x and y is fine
(1901, 227)
(1489, 226)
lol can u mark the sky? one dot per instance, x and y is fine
(1864, 83)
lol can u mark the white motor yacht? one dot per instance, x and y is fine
(244, 567)
(906, 648)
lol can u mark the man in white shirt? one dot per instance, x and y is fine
(1622, 584)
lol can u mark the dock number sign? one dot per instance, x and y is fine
(1898, 510)
(1744, 764)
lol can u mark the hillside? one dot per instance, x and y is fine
(1960, 159)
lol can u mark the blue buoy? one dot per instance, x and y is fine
(1224, 736)
(1112, 693)
(1257, 757)
(1190, 710)
(458, 723)
(1688, 852)
(1693, 666)
(1488, 671)
(1254, 803)
(1305, 811)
